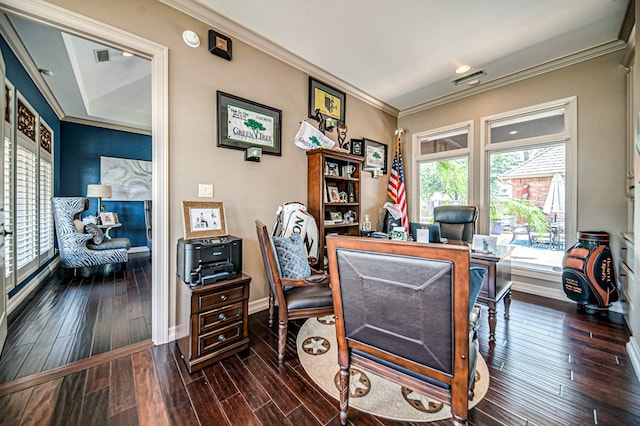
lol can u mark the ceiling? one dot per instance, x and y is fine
(401, 54)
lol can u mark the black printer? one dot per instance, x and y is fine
(209, 260)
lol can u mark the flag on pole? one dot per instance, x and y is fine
(396, 188)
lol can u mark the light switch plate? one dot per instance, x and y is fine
(205, 190)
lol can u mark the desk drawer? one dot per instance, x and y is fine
(210, 320)
(219, 338)
(224, 296)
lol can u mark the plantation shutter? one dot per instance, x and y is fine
(9, 242)
(46, 192)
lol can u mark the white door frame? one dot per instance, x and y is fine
(73, 23)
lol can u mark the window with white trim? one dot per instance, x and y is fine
(441, 169)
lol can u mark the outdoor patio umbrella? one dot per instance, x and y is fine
(554, 204)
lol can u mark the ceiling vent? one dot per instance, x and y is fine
(472, 76)
(101, 55)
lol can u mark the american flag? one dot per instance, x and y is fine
(396, 188)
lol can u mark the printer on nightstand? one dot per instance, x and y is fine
(209, 260)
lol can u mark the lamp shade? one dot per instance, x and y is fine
(102, 191)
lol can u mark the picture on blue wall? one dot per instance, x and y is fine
(130, 180)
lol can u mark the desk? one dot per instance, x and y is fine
(108, 228)
(497, 282)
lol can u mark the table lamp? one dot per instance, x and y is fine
(99, 191)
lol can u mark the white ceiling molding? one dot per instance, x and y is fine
(9, 34)
(102, 124)
(209, 17)
(522, 75)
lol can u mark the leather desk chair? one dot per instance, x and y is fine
(456, 222)
(407, 312)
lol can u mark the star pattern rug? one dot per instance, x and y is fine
(317, 350)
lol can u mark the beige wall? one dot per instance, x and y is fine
(249, 190)
(599, 85)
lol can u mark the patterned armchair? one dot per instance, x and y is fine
(78, 249)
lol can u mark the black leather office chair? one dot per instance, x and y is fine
(456, 222)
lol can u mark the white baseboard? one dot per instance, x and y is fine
(31, 286)
(140, 249)
(634, 355)
(551, 293)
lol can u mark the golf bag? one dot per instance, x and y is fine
(293, 218)
(588, 275)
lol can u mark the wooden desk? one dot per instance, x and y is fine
(497, 282)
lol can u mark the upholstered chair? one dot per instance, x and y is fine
(456, 222)
(300, 291)
(406, 311)
(79, 249)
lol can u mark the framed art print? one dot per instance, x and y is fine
(243, 124)
(375, 156)
(203, 219)
(356, 146)
(326, 99)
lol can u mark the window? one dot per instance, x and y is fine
(442, 169)
(28, 188)
(8, 155)
(525, 182)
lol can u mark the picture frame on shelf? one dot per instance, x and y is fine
(330, 101)
(331, 169)
(356, 147)
(333, 193)
(243, 124)
(335, 216)
(203, 219)
(375, 156)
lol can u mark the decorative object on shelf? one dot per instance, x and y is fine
(253, 153)
(203, 219)
(356, 147)
(335, 216)
(99, 191)
(331, 169)
(243, 124)
(329, 123)
(366, 225)
(321, 122)
(327, 100)
(352, 195)
(375, 156)
(348, 170)
(342, 135)
(350, 216)
(309, 137)
(344, 197)
(220, 45)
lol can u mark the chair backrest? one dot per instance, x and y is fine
(270, 262)
(456, 222)
(404, 303)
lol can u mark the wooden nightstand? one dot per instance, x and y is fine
(217, 321)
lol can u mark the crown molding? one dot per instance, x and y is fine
(208, 16)
(18, 48)
(101, 124)
(556, 64)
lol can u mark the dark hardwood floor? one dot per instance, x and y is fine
(72, 318)
(550, 366)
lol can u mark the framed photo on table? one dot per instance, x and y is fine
(243, 124)
(203, 219)
(329, 101)
(108, 218)
(333, 194)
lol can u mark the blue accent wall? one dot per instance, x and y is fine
(80, 166)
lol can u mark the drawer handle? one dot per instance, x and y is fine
(222, 338)
(224, 297)
(222, 317)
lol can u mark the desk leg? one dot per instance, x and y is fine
(492, 322)
(507, 304)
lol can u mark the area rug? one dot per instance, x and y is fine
(317, 350)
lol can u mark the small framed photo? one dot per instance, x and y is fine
(108, 218)
(326, 99)
(203, 219)
(356, 147)
(333, 193)
(331, 169)
(335, 216)
(375, 156)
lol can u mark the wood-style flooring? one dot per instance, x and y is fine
(74, 317)
(550, 366)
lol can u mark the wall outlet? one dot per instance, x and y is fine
(205, 190)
